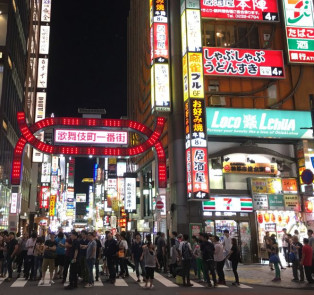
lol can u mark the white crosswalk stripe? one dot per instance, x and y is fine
(164, 281)
(196, 285)
(134, 277)
(120, 283)
(19, 283)
(244, 286)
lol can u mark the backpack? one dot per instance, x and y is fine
(186, 252)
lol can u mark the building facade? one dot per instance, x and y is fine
(240, 96)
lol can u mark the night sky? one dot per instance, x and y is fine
(87, 58)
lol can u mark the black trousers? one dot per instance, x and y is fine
(220, 270)
(209, 266)
(234, 269)
(111, 267)
(73, 274)
(67, 262)
(20, 259)
(186, 265)
(308, 273)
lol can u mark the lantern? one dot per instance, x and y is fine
(308, 206)
(287, 218)
(279, 218)
(260, 218)
(266, 217)
(272, 217)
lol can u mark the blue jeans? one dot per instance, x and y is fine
(90, 266)
(139, 263)
(38, 266)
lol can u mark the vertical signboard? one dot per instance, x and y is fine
(130, 192)
(194, 103)
(159, 42)
(299, 27)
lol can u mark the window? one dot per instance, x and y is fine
(226, 35)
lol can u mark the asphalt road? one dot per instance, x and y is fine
(128, 286)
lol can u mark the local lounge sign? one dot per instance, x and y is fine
(258, 123)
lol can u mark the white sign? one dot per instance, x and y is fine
(121, 168)
(38, 156)
(40, 112)
(42, 73)
(45, 172)
(194, 37)
(260, 202)
(80, 198)
(44, 40)
(162, 90)
(90, 136)
(54, 165)
(45, 10)
(163, 211)
(13, 205)
(130, 194)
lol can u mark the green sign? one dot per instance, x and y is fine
(276, 202)
(258, 123)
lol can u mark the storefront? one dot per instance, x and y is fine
(253, 159)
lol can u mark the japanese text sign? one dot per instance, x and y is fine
(160, 44)
(198, 133)
(14, 203)
(248, 10)
(289, 185)
(292, 202)
(258, 123)
(45, 10)
(161, 87)
(276, 202)
(196, 83)
(44, 39)
(250, 168)
(197, 169)
(253, 63)
(90, 136)
(260, 202)
(44, 197)
(130, 194)
(52, 205)
(42, 73)
(299, 27)
(259, 185)
(159, 11)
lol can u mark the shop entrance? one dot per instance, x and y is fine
(239, 229)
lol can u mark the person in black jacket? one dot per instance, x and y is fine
(234, 257)
(110, 252)
(208, 250)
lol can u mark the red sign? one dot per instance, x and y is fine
(256, 63)
(197, 182)
(161, 53)
(44, 197)
(159, 205)
(254, 10)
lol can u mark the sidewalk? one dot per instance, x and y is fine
(258, 274)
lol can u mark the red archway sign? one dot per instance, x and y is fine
(152, 140)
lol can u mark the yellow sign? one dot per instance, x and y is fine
(259, 185)
(185, 77)
(250, 168)
(52, 205)
(112, 161)
(87, 180)
(115, 204)
(292, 202)
(196, 81)
(274, 186)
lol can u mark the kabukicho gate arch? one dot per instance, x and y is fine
(152, 140)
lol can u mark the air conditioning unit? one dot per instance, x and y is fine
(217, 100)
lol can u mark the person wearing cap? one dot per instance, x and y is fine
(50, 255)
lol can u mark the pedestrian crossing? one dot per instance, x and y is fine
(160, 281)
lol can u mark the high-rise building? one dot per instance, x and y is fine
(236, 140)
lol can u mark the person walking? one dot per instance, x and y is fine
(123, 246)
(38, 257)
(208, 250)
(60, 240)
(186, 255)
(73, 254)
(50, 255)
(21, 258)
(30, 265)
(67, 258)
(226, 243)
(90, 259)
(82, 256)
(274, 258)
(137, 251)
(98, 255)
(285, 245)
(12, 249)
(151, 261)
(219, 259)
(234, 257)
(110, 252)
(306, 260)
(198, 258)
(295, 257)
(161, 252)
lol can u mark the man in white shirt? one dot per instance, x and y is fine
(227, 247)
(219, 259)
(285, 245)
(30, 244)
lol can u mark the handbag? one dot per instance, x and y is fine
(292, 257)
(274, 258)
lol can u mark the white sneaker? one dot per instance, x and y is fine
(88, 286)
(42, 283)
(51, 282)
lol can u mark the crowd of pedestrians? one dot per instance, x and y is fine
(84, 256)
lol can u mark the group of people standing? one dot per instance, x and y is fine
(298, 256)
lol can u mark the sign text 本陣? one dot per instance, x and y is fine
(248, 10)
(299, 27)
(256, 63)
(258, 123)
(90, 136)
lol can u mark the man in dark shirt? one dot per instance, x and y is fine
(12, 248)
(110, 252)
(67, 262)
(208, 250)
(73, 253)
(137, 250)
(82, 254)
(161, 252)
(98, 254)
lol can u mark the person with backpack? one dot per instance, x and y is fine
(186, 255)
(208, 250)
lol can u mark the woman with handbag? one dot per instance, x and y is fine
(50, 255)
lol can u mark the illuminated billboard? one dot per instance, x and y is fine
(254, 63)
(90, 136)
(246, 10)
(299, 27)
